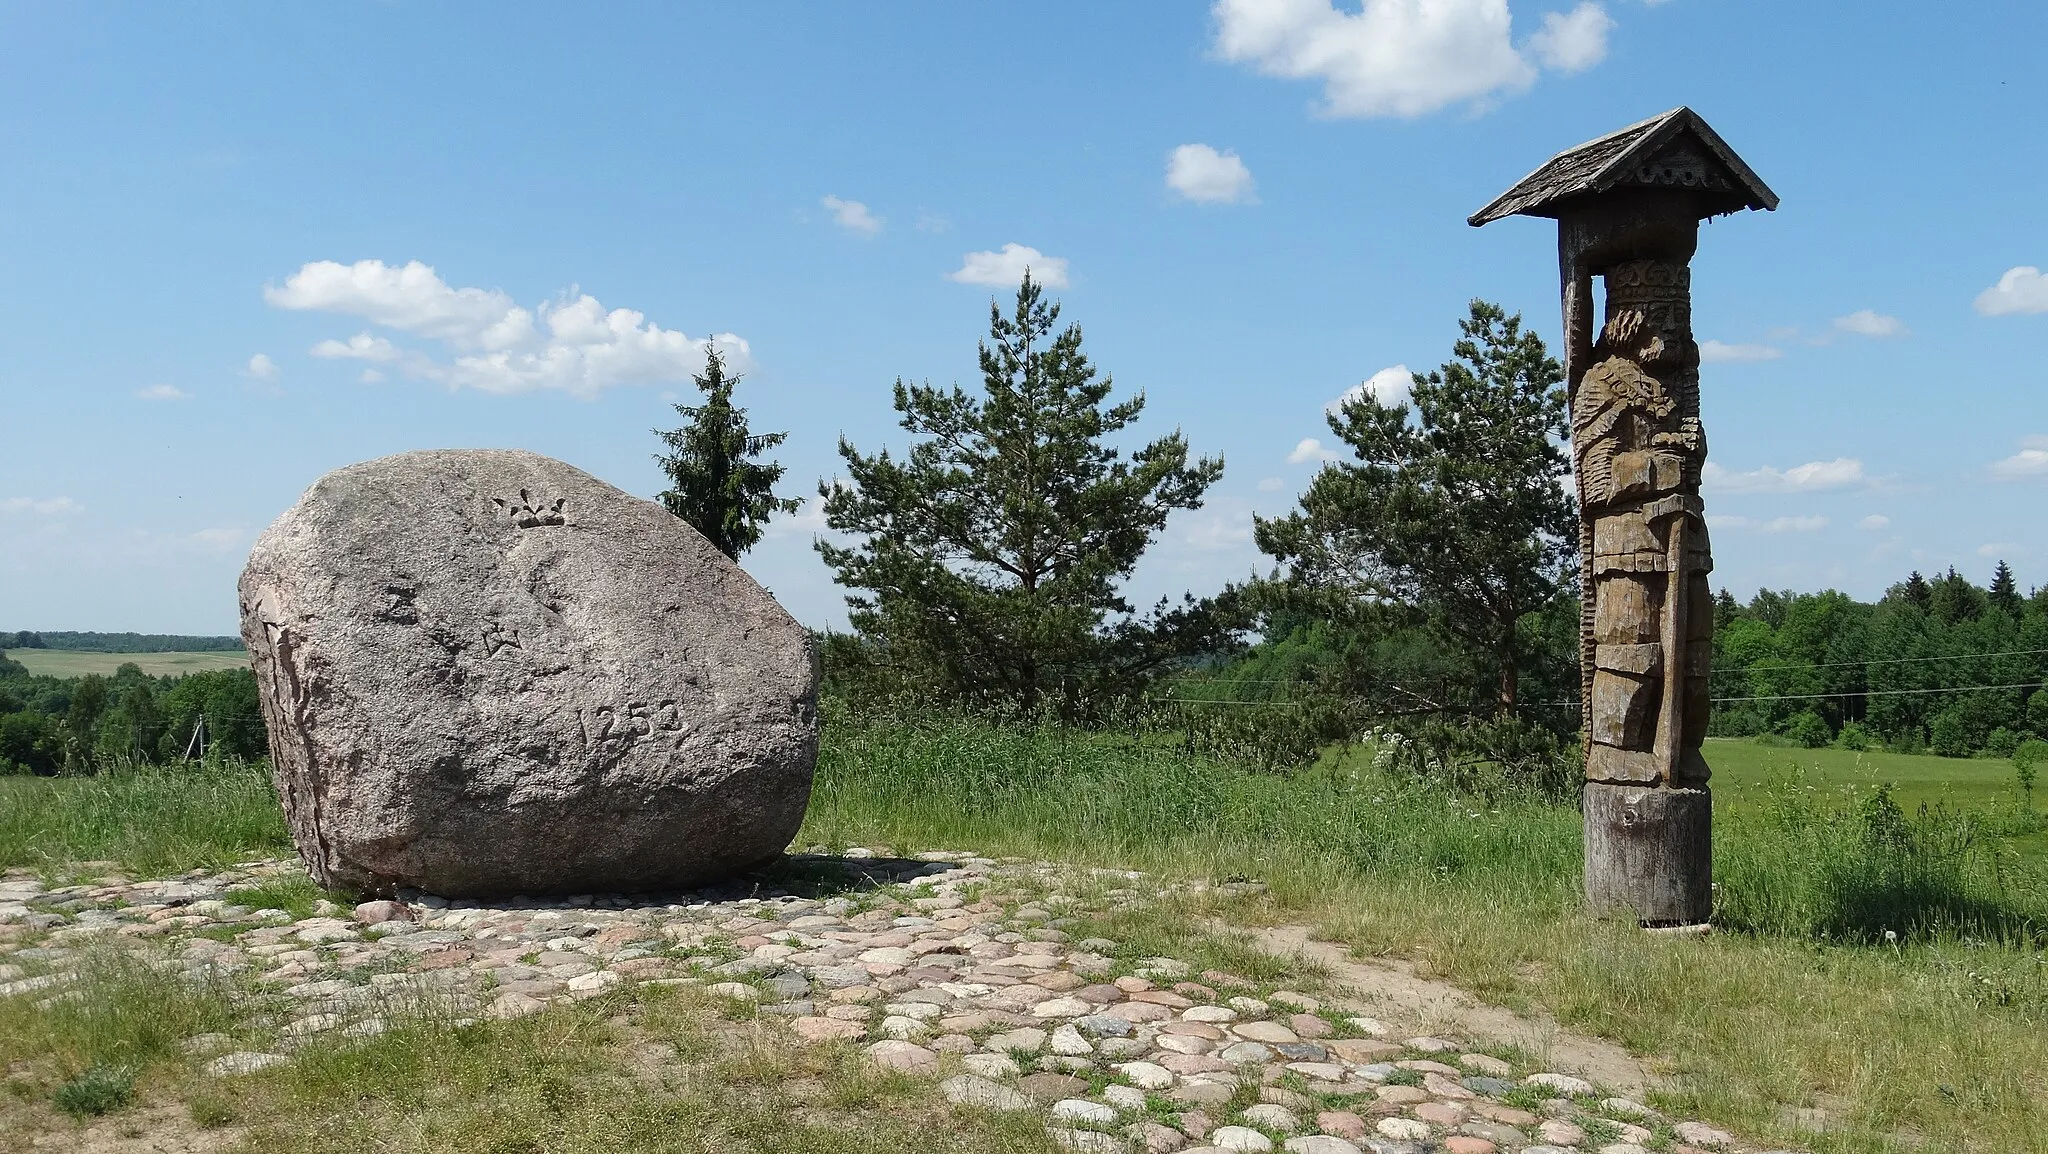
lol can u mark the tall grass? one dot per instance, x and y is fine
(152, 819)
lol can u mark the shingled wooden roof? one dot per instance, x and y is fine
(1675, 150)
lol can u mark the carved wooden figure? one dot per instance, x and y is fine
(1628, 207)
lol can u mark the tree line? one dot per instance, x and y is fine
(54, 725)
(1424, 581)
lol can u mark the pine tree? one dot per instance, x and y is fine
(2005, 592)
(1917, 591)
(1461, 512)
(714, 482)
(991, 555)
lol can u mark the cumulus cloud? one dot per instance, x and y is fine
(1573, 41)
(2021, 290)
(1871, 323)
(1311, 449)
(1390, 386)
(1774, 525)
(1271, 484)
(1812, 477)
(1005, 269)
(1720, 351)
(261, 368)
(163, 393)
(41, 507)
(1201, 174)
(360, 347)
(2030, 461)
(1216, 530)
(1875, 521)
(853, 216)
(573, 344)
(1405, 57)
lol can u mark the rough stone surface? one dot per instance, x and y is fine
(486, 672)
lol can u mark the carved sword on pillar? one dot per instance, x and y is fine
(1628, 207)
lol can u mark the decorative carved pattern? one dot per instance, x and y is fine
(1639, 448)
(531, 513)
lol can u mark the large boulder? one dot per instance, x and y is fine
(486, 672)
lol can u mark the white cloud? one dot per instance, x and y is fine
(1005, 269)
(853, 216)
(1271, 484)
(1311, 449)
(1216, 530)
(1573, 41)
(573, 344)
(1875, 521)
(261, 367)
(218, 540)
(1718, 351)
(163, 393)
(2030, 461)
(1812, 477)
(1794, 524)
(360, 347)
(2021, 290)
(1404, 57)
(1389, 386)
(1998, 549)
(411, 298)
(1206, 176)
(43, 507)
(932, 223)
(1870, 323)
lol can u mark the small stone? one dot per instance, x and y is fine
(1429, 1045)
(1403, 1129)
(733, 991)
(1342, 1123)
(1249, 1006)
(243, 1062)
(1145, 1075)
(1023, 1040)
(1050, 1087)
(1559, 1132)
(1068, 1042)
(379, 912)
(820, 1029)
(1272, 1032)
(1085, 1141)
(1564, 1084)
(1491, 1087)
(1201, 1094)
(1208, 1014)
(903, 1057)
(1062, 1008)
(1154, 1138)
(1271, 1117)
(1104, 1026)
(1467, 1144)
(1245, 1053)
(1083, 1111)
(1308, 1026)
(514, 1004)
(1624, 1148)
(1486, 1064)
(1319, 1144)
(990, 1065)
(1701, 1134)
(1128, 1099)
(1626, 1108)
(1298, 1000)
(1443, 1114)
(1240, 1138)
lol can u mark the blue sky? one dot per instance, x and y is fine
(1249, 208)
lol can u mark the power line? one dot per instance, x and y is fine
(1720, 669)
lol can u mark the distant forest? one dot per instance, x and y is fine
(119, 642)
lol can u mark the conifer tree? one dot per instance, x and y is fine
(990, 557)
(714, 481)
(1457, 508)
(2005, 592)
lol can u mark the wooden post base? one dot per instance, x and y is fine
(1649, 853)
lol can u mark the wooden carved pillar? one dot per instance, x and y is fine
(1628, 207)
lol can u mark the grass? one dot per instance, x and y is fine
(1938, 1033)
(150, 819)
(78, 663)
(1941, 1033)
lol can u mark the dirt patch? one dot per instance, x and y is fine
(1391, 992)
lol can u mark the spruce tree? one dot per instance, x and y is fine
(2005, 592)
(714, 482)
(989, 558)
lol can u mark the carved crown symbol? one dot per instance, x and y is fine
(530, 513)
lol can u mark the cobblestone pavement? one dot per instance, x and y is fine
(946, 965)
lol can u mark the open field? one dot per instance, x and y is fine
(1745, 772)
(78, 663)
